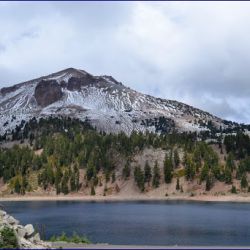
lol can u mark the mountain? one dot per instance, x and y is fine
(106, 103)
(62, 155)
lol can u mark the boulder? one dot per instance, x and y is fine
(11, 220)
(29, 230)
(35, 238)
(2, 213)
(24, 243)
(21, 232)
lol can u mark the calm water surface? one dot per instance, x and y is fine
(150, 223)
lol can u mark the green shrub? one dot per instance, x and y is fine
(8, 238)
(233, 190)
(75, 238)
(92, 190)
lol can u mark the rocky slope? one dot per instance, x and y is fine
(26, 236)
(105, 102)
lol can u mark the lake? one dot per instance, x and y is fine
(142, 223)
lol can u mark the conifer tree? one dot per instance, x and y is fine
(208, 182)
(113, 177)
(204, 172)
(177, 184)
(147, 173)
(176, 158)
(244, 182)
(233, 190)
(92, 190)
(139, 178)
(73, 182)
(91, 170)
(230, 161)
(189, 169)
(126, 171)
(58, 178)
(168, 168)
(228, 175)
(17, 185)
(156, 175)
(65, 179)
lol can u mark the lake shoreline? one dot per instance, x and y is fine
(201, 198)
(65, 245)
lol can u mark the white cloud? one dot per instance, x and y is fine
(195, 52)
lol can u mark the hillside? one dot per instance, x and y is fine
(60, 156)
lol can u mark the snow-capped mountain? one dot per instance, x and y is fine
(105, 102)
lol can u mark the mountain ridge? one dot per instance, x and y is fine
(107, 103)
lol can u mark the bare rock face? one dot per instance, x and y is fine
(48, 92)
(75, 83)
(7, 90)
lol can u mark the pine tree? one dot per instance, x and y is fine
(126, 171)
(177, 184)
(208, 182)
(17, 185)
(233, 190)
(156, 175)
(244, 182)
(92, 190)
(168, 168)
(204, 172)
(185, 158)
(147, 173)
(50, 174)
(58, 178)
(189, 169)
(113, 177)
(176, 158)
(228, 175)
(139, 178)
(73, 182)
(77, 177)
(230, 161)
(91, 170)
(24, 184)
(65, 179)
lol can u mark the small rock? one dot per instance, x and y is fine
(4, 222)
(21, 232)
(25, 243)
(35, 238)
(29, 230)
(15, 227)
(2, 213)
(11, 220)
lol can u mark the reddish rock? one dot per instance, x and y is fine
(48, 92)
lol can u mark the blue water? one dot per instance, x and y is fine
(151, 223)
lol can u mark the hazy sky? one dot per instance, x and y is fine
(194, 52)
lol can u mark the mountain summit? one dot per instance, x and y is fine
(106, 103)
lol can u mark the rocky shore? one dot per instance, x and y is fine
(26, 237)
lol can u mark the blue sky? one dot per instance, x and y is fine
(193, 52)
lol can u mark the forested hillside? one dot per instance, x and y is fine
(63, 155)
